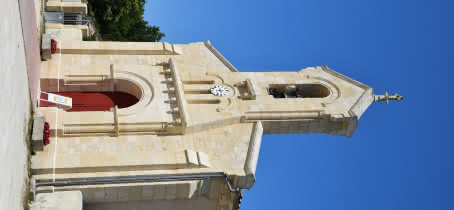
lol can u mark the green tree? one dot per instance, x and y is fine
(122, 20)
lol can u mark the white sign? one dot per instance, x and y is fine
(67, 102)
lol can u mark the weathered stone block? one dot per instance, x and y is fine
(46, 53)
(204, 161)
(68, 200)
(191, 158)
(38, 133)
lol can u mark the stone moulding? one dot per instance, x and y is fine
(364, 101)
(335, 92)
(343, 77)
(294, 115)
(147, 91)
(252, 157)
(197, 159)
(201, 184)
(117, 48)
(187, 159)
(115, 129)
(251, 89)
(220, 57)
(178, 84)
(212, 125)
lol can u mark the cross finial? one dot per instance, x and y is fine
(386, 97)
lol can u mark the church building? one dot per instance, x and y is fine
(155, 125)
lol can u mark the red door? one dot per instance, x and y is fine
(95, 101)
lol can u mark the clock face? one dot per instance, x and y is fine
(219, 90)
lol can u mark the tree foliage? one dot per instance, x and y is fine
(122, 20)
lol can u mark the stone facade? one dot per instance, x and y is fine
(179, 142)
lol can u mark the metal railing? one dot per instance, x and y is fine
(66, 18)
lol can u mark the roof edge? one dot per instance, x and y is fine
(220, 57)
(363, 102)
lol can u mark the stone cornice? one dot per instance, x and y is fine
(220, 57)
(364, 101)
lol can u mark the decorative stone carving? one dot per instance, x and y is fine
(386, 97)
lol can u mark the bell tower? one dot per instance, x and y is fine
(311, 100)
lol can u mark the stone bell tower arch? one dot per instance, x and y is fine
(312, 100)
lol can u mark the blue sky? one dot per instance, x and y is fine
(402, 154)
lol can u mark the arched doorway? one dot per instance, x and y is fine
(96, 101)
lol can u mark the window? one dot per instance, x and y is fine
(299, 91)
